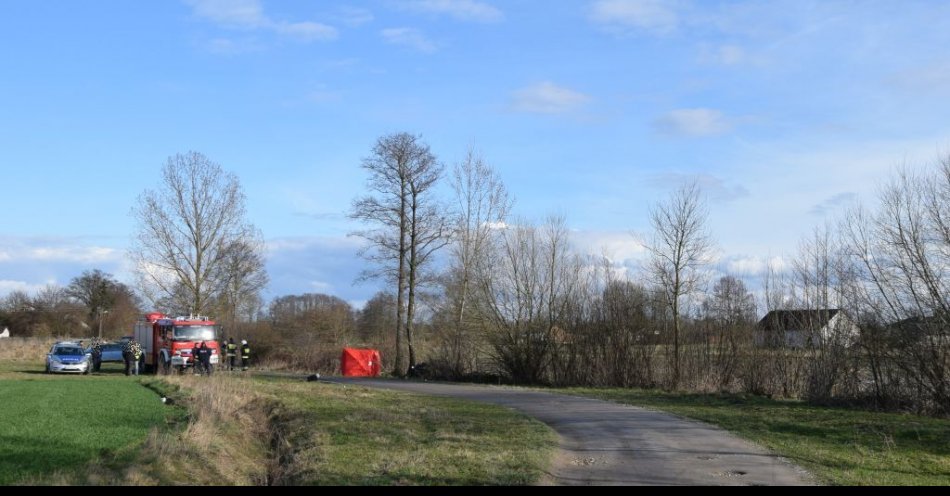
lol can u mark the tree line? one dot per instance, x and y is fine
(514, 299)
(473, 292)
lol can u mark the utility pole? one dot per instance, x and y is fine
(101, 312)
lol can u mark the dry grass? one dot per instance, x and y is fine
(25, 349)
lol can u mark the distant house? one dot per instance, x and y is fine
(804, 328)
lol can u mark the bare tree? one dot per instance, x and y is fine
(376, 321)
(524, 295)
(186, 229)
(729, 315)
(409, 225)
(903, 254)
(680, 248)
(482, 204)
(242, 277)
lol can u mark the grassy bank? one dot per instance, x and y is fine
(289, 432)
(840, 446)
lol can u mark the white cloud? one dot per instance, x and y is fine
(408, 37)
(547, 98)
(7, 287)
(655, 16)
(249, 15)
(692, 122)
(620, 247)
(82, 254)
(30, 263)
(745, 265)
(752, 267)
(463, 10)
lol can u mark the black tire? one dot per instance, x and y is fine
(47, 369)
(163, 369)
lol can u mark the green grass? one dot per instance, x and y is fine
(98, 429)
(358, 436)
(59, 423)
(840, 446)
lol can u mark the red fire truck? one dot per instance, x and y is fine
(168, 342)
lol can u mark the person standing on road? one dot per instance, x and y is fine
(231, 353)
(245, 355)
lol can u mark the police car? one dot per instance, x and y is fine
(68, 356)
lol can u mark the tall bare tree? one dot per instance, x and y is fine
(408, 224)
(187, 228)
(481, 206)
(242, 278)
(681, 247)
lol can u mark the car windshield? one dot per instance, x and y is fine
(202, 332)
(68, 351)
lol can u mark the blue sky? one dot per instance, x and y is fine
(784, 111)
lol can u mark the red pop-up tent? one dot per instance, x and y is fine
(359, 363)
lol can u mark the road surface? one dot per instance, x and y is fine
(603, 443)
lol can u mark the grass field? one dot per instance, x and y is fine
(840, 446)
(61, 423)
(108, 429)
(350, 435)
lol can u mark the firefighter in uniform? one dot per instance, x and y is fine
(132, 354)
(231, 353)
(245, 354)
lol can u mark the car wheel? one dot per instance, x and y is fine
(85, 372)
(47, 368)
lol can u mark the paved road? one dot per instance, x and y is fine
(603, 443)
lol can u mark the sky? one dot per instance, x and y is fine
(785, 112)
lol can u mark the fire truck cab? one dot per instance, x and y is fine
(169, 343)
